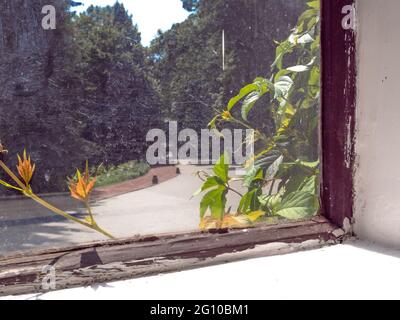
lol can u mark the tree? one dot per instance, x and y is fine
(118, 102)
(79, 92)
(37, 109)
(187, 60)
(190, 5)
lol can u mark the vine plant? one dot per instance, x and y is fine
(282, 179)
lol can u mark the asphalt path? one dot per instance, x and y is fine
(164, 208)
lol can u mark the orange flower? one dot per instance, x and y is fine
(82, 185)
(25, 168)
(226, 115)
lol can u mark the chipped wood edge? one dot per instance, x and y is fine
(98, 263)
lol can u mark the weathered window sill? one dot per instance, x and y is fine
(135, 257)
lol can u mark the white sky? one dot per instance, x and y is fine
(149, 15)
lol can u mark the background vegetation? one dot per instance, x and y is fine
(120, 173)
(90, 90)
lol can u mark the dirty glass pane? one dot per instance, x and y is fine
(151, 117)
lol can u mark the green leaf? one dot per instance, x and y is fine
(249, 103)
(294, 180)
(283, 86)
(270, 201)
(312, 22)
(297, 205)
(268, 159)
(243, 92)
(296, 39)
(273, 168)
(285, 169)
(213, 122)
(310, 185)
(308, 14)
(211, 182)
(221, 168)
(315, 46)
(253, 174)
(309, 165)
(314, 82)
(283, 48)
(249, 201)
(215, 200)
(280, 74)
(304, 39)
(314, 4)
(298, 68)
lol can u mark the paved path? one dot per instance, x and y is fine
(163, 174)
(164, 208)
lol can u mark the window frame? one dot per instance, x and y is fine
(339, 74)
(108, 261)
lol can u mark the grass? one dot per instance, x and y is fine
(123, 172)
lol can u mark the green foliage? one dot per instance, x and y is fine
(38, 108)
(287, 159)
(215, 200)
(187, 59)
(190, 5)
(80, 92)
(90, 90)
(120, 173)
(118, 101)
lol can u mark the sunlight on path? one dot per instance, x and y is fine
(164, 208)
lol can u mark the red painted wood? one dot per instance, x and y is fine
(338, 112)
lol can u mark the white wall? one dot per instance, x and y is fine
(377, 212)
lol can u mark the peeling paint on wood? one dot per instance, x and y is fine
(338, 112)
(110, 261)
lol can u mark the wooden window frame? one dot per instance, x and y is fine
(107, 261)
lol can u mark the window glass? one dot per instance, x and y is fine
(151, 117)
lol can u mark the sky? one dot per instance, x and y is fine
(148, 20)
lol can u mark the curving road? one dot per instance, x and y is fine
(164, 208)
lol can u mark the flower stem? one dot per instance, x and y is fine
(26, 190)
(89, 210)
(7, 185)
(66, 215)
(12, 175)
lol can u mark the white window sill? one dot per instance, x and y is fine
(354, 270)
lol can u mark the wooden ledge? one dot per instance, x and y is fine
(108, 261)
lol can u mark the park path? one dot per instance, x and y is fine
(163, 174)
(164, 208)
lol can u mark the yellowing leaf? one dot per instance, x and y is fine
(255, 215)
(228, 222)
(207, 223)
(232, 222)
(284, 126)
